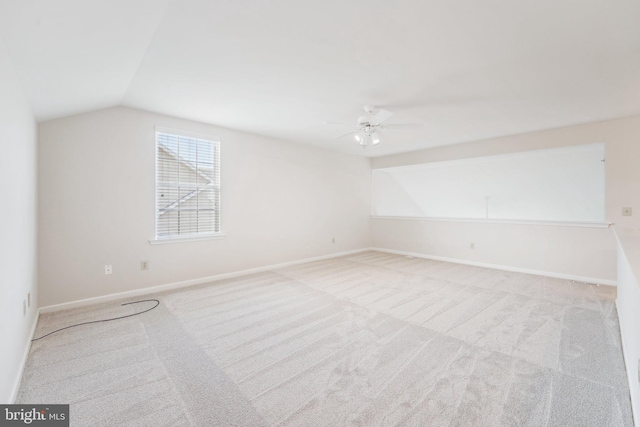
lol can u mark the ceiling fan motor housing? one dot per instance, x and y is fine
(363, 121)
(368, 129)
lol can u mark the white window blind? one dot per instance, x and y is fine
(556, 185)
(187, 186)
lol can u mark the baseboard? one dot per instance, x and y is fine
(502, 267)
(186, 283)
(23, 362)
(199, 281)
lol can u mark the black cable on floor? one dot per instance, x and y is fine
(105, 320)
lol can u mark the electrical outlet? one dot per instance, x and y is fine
(473, 245)
(29, 299)
(333, 240)
(627, 211)
(108, 269)
(144, 265)
(24, 308)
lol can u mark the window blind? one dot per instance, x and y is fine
(187, 186)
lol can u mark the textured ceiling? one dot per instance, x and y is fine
(464, 70)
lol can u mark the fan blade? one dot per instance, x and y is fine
(380, 117)
(345, 134)
(403, 125)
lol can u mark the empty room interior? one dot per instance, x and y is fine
(296, 213)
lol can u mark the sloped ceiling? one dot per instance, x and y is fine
(463, 69)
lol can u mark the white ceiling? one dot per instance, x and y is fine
(465, 69)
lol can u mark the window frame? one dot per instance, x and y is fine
(216, 143)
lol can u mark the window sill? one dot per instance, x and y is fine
(502, 221)
(165, 240)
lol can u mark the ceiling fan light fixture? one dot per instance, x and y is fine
(367, 137)
(367, 130)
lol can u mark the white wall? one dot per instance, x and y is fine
(17, 226)
(570, 252)
(280, 202)
(583, 252)
(628, 304)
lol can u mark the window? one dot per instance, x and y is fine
(187, 186)
(558, 185)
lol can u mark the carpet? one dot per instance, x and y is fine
(362, 340)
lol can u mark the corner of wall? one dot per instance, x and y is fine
(18, 277)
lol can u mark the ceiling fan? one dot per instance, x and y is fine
(367, 130)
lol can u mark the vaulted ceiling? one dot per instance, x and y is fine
(463, 69)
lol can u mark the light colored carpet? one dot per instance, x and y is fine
(368, 339)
